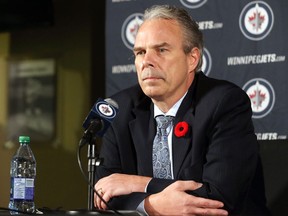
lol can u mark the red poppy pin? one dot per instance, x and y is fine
(181, 129)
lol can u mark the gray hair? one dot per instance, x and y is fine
(192, 35)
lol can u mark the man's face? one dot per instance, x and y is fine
(164, 71)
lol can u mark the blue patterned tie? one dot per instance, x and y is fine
(160, 157)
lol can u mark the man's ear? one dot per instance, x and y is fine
(193, 59)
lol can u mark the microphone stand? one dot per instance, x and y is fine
(93, 161)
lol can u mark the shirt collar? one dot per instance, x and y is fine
(172, 111)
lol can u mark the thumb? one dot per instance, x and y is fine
(191, 185)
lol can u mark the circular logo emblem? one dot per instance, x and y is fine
(262, 96)
(256, 20)
(105, 110)
(193, 3)
(206, 62)
(130, 28)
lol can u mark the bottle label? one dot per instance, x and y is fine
(22, 189)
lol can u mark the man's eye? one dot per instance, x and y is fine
(139, 53)
(162, 50)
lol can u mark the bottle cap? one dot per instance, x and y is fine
(25, 139)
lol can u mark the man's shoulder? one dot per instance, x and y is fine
(213, 84)
(215, 81)
(132, 92)
(130, 96)
(214, 90)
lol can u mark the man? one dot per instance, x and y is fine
(213, 162)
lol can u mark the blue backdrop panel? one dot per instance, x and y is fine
(244, 43)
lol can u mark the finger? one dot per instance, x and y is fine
(96, 192)
(97, 198)
(211, 212)
(187, 185)
(106, 198)
(207, 203)
(98, 202)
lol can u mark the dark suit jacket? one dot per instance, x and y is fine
(220, 150)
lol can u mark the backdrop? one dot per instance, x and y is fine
(244, 43)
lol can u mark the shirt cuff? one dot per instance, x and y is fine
(141, 208)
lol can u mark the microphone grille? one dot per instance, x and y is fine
(112, 102)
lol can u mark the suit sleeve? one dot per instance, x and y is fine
(232, 153)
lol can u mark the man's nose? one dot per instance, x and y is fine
(148, 59)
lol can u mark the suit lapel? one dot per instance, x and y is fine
(182, 145)
(143, 130)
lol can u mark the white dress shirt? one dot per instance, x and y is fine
(171, 112)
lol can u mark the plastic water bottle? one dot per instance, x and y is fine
(23, 173)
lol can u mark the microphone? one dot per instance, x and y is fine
(95, 124)
(100, 117)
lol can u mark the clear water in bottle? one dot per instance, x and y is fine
(23, 173)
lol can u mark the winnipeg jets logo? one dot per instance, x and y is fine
(262, 96)
(206, 62)
(105, 110)
(193, 3)
(257, 97)
(256, 20)
(130, 28)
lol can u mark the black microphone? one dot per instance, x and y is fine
(99, 118)
(95, 124)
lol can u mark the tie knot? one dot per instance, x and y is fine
(164, 122)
